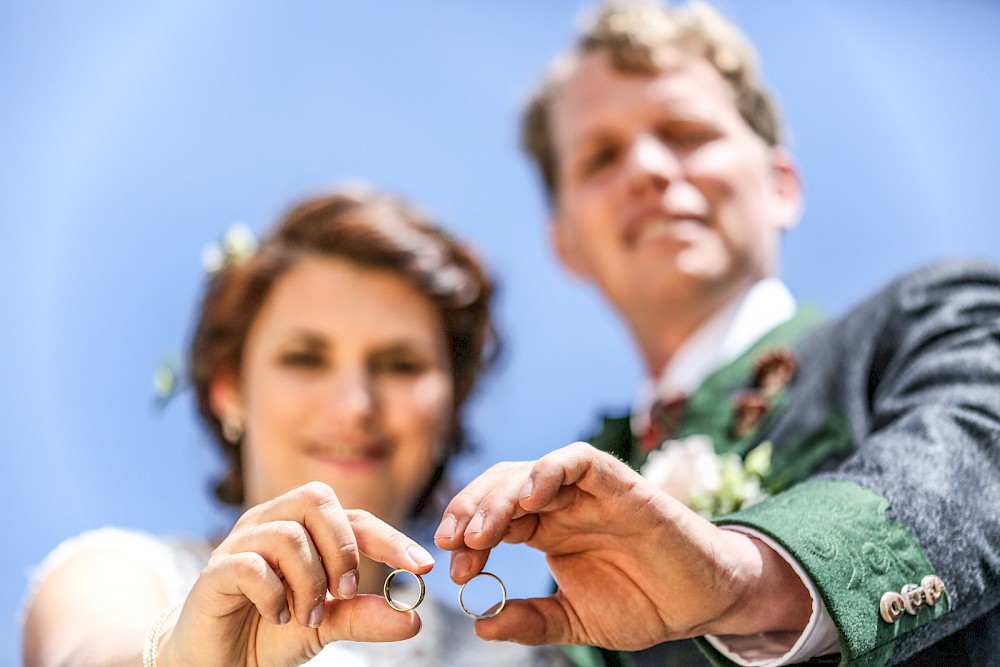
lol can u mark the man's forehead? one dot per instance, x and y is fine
(690, 84)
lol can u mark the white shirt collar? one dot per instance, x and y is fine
(720, 340)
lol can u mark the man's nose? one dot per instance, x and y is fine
(651, 163)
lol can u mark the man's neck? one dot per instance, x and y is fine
(726, 334)
(661, 332)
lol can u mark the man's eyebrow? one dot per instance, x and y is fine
(591, 137)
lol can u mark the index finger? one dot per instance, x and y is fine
(594, 472)
(380, 541)
(488, 503)
(576, 476)
(340, 534)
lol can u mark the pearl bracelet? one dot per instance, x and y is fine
(151, 647)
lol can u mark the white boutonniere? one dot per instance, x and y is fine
(712, 485)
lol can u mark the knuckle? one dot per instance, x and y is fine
(310, 584)
(292, 533)
(361, 517)
(465, 502)
(348, 549)
(607, 457)
(216, 563)
(250, 516)
(319, 493)
(498, 503)
(401, 542)
(248, 565)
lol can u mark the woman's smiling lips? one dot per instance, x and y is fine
(348, 456)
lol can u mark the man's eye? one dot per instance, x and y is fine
(302, 360)
(689, 136)
(598, 159)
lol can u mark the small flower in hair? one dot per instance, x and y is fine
(168, 380)
(238, 245)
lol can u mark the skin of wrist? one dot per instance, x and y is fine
(770, 596)
(164, 657)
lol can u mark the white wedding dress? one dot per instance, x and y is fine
(446, 636)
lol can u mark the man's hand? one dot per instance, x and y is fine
(634, 566)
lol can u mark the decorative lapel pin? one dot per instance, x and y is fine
(774, 370)
(750, 407)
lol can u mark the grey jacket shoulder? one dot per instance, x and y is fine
(924, 286)
(915, 369)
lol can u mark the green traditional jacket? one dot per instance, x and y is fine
(840, 431)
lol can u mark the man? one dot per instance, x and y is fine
(670, 189)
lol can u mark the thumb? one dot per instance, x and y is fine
(366, 618)
(533, 622)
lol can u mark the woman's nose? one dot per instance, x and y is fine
(352, 397)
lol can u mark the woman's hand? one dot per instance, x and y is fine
(634, 566)
(283, 584)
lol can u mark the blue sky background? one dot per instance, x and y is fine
(133, 133)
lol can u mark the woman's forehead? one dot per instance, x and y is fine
(329, 297)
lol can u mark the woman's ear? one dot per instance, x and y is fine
(227, 404)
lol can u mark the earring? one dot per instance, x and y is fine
(232, 430)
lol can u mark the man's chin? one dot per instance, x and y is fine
(683, 287)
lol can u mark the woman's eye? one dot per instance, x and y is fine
(302, 360)
(400, 366)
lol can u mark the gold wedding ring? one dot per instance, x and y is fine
(396, 605)
(503, 601)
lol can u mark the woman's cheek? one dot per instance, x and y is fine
(432, 401)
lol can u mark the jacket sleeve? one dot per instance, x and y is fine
(916, 373)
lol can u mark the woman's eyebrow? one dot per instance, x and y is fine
(402, 346)
(308, 338)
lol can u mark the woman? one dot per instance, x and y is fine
(332, 367)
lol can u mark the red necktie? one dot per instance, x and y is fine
(664, 420)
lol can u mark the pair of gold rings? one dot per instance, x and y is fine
(461, 591)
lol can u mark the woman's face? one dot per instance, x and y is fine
(346, 379)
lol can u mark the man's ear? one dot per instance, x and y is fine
(224, 395)
(788, 188)
(566, 248)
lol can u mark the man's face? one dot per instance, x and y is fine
(666, 197)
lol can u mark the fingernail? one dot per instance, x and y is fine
(526, 490)
(419, 555)
(446, 530)
(460, 564)
(476, 525)
(285, 616)
(316, 615)
(347, 588)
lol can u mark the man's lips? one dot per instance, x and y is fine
(661, 226)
